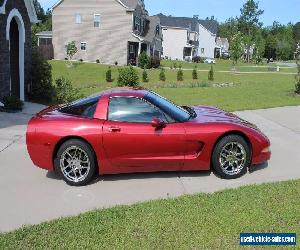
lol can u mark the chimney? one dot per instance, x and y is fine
(196, 17)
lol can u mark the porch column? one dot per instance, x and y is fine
(140, 48)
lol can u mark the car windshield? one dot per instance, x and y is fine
(177, 113)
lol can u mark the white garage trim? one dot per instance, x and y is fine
(16, 14)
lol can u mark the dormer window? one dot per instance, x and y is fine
(97, 20)
(137, 23)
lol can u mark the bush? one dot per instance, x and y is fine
(65, 92)
(80, 60)
(128, 76)
(97, 61)
(154, 62)
(12, 103)
(145, 75)
(195, 73)
(175, 65)
(41, 89)
(198, 59)
(144, 60)
(162, 75)
(180, 75)
(211, 74)
(109, 75)
(297, 87)
(116, 63)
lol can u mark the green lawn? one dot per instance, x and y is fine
(250, 91)
(203, 221)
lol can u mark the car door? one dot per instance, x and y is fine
(133, 145)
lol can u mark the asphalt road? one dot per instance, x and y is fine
(30, 195)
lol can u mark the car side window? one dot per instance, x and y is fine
(131, 109)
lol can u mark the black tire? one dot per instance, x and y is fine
(89, 155)
(243, 166)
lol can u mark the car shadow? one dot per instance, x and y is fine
(156, 175)
(259, 167)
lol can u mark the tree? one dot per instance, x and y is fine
(259, 49)
(71, 50)
(109, 75)
(249, 23)
(211, 74)
(128, 76)
(144, 60)
(145, 75)
(296, 32)
(180, 74)
(228, 29)
(236, 48)
(39, 11)
(162, 75)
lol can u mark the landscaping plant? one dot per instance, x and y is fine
(12, 103)
(144, 60)
(128, 76)
(41, 88)
(109, 75)
(65, 92)
(211, 74)
(71, 50)
(195, 73)
(145, 75)
(180, 74)
(297, 87)
(162, 75)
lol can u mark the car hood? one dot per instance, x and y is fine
(206, 114)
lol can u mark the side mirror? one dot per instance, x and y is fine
(158, 123)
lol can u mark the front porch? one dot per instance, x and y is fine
(135, 49)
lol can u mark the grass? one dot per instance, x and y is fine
(249, 91)
(203, 221)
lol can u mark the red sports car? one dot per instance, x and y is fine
(129, 130)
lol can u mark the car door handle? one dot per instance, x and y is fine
(114, 129)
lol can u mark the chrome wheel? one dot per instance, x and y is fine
(75, 164)
(233, 158)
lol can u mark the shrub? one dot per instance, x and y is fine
(211, 74)
(109, 75)
(144, 60)
(175, 65)
(12, 103)
(65, 92)
(154, 62)
(297, 87)
(97, 61)
(180, 74)
(128, 76)
(162, 75)
(41, 89)
(80, 60)
(116, 63)
(145, 75)
(198, 59)
(195, 73)
(71, 50)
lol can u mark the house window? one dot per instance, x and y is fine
(83, 46)
(202, 50)
(78, 19)
(137, 23)
(97, 20)
(157, 30)
(131, 48)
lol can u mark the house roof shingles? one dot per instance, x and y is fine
(131, 4)
(188, 23)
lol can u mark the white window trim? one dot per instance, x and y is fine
(97, 15)
(81, 46)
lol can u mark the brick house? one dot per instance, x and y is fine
(16, 17)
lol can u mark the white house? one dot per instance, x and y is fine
(207, 38)
(180, 37)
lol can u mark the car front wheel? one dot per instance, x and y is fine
(231, 157)
(75, 161)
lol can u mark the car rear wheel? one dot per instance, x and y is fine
(231, 157)
(76, 163)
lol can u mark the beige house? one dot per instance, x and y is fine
(108, 30)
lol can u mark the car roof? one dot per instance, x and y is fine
(125, 91)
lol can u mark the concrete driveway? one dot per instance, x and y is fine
(29, 195)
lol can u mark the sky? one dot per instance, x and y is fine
(282, 11)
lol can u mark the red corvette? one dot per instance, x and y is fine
(129, 130)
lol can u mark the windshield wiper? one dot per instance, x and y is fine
(191, 111)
